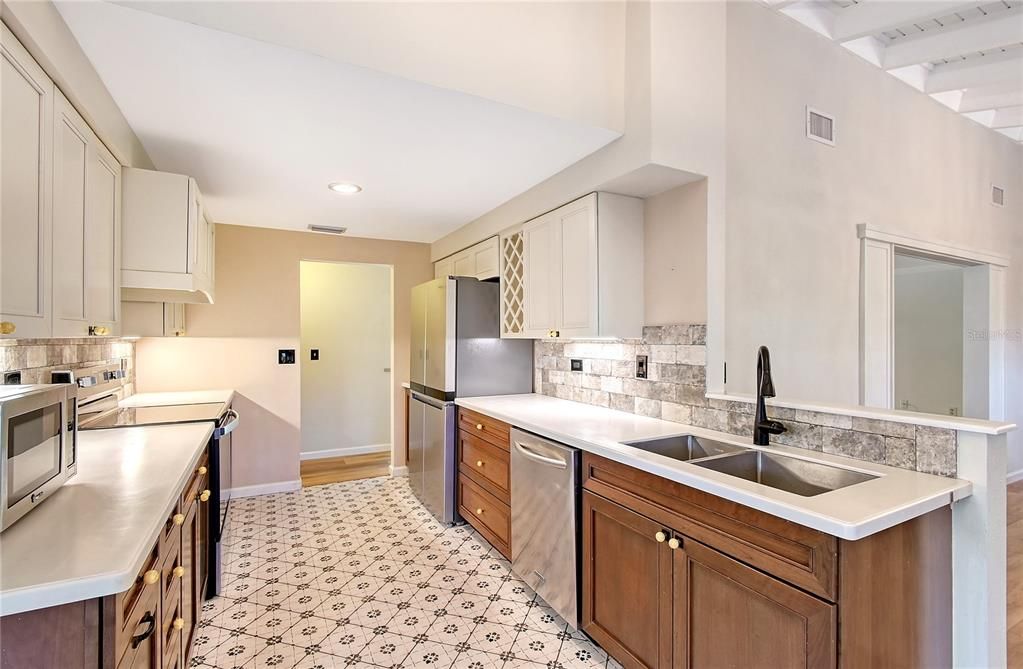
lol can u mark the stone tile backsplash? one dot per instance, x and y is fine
(675, 390)
(36, 358)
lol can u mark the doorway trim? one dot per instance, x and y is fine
(877, 319)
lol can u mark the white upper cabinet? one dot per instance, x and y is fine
(168, 239)
(86, 229)
(581, 271)
(26, 173)
(480, 261)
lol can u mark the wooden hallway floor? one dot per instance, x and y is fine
(344, 468)
(1014, 573)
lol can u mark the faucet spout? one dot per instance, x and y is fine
(763, 427)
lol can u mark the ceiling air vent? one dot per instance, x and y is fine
(997, 196)
(328, 229)
(820, 127)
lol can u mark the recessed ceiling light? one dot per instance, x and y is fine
(344, 188)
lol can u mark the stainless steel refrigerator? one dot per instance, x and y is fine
(457, 351)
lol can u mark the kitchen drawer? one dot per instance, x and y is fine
(134, 607)
(485, 464)
(170, 535)
(489, 515)
(172, 628)
(172, 571)
(485, 427)
(196, 482)
(804, 557)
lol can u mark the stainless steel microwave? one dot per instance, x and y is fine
(38, 438)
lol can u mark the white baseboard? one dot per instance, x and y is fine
(266, 488)
(398, 471)
(1014, 476)
(339, 452)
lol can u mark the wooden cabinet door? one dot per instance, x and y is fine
(627, 584)
(730, 615)
(576, 267)
(26, 170)
(191, 588)
(86, 228)
(541, 279)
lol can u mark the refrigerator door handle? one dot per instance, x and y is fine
(426, 399)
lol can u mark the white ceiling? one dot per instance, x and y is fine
(265, 128)
(966, 55)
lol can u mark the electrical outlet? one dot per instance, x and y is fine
(12, 378)
(577, 365)
(286, 356)
(314, 354)
(641, 367)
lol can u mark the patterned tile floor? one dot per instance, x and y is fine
(359, 574)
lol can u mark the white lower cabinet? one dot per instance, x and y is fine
(480, 261)
(582, 270)
(86, 229)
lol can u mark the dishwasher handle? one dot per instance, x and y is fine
(529, 453)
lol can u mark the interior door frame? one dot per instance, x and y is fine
(877, 321)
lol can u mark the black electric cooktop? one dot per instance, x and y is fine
(158, 415)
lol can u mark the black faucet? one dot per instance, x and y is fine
(763, 427)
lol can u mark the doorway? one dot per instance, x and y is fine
(346, 359)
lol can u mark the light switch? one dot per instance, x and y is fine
(314, 354)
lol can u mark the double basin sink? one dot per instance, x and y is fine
(773, 470)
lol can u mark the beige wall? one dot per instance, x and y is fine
(675, 256)
(256, 312)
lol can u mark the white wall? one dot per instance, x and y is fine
(675, 255)
(902, 162)
(346, 399)
(928, 320)
(525, 54)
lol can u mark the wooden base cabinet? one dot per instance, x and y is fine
(150, 625)
(655, 596)
(484, 477)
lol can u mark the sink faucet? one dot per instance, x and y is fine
(763, 427)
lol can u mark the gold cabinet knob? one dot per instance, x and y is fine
(179, 571)
(479, 512)
(660, 536)
(479, 463)
(479, 426)
(674, 543)
(204, 496)
(98, 331)
(178, 623)
(178, 519)
(7, 327)
(150, 577)
(202, 470)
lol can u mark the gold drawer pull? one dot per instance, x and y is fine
(479, 426)
(479, 463)
(202, 470)
(7, 327)
(661, 537)
(178, 518)
(204, 496)
(674, 543)
(150, 577)
(479, 512)
(98, 331)
(178, 623)
(179, 571)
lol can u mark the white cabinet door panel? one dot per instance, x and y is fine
(540, 274)
(577, 268)
(102, 239)
(486, 258)
(465, 264)
(443, 268)
(26, 135)
(71, 153)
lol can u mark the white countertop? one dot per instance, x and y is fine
(183, 397)
(91, 538)
(854, 512)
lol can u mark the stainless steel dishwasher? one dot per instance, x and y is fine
(545, 520)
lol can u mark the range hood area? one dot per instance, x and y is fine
(169, 243)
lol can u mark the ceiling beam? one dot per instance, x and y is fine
(1013, 133)
(1009, 117)
(990, 97)
(984, 71)
(1000, 29)
(870, 18)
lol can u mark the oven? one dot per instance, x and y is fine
(38, 438)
